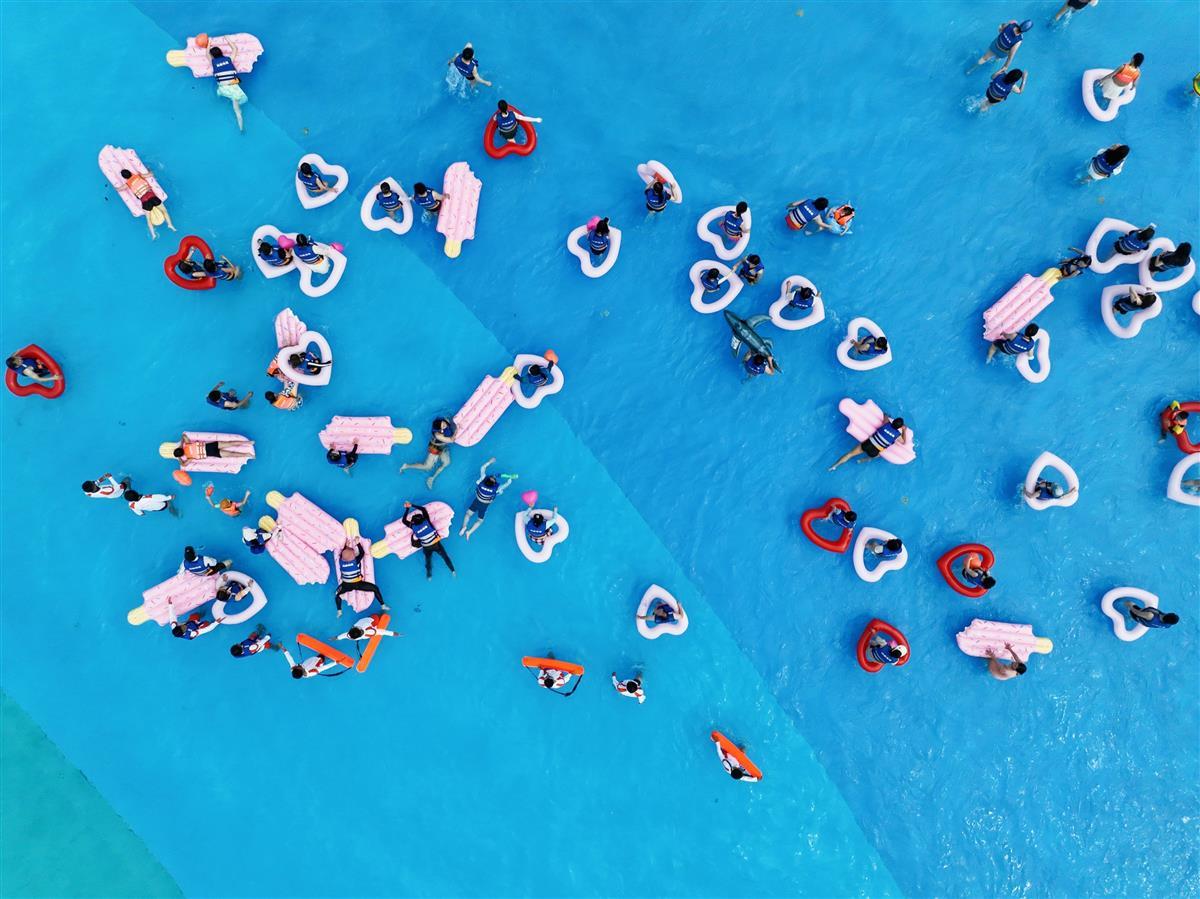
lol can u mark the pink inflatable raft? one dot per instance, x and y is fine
(1017, 308)
(397, 538)
(374, 436)
(483, 409)
(213, 464)
(301, 533)
(243, 49)
(358, 600)
(865, 418)
(185, 591)
(981, 637)
(112, 160)
(460, 206)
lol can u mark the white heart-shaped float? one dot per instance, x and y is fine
(557, 379)
(339, 176)
(271, 234)
(873, 575)
(1107, 226)
(1040, 353)
(733, 287)
(334, 264)
(542, 553)
(1175, 489)
(584, 255)
(852, 335)
(1108, 601)
(1116, 98)
(717, 240)
(385, 222)
(1147, 277)
(654, 631)
(1135, 320)
(1042, 462)
(653, 170)
(258, 600)
(308, 338)
(814, 315)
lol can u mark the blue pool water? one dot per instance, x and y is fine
(443, 771)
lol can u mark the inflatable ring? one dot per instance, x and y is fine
(1018, 307)
(1136, 319)
(35, 388)
(874, 575)
(653, 594)
(879, 626)
(271, 234)
(586, 265)
(1049, 460)
(717, 241)
(1040, 352)
(815, 315)
(341, 179)
(542, 553)
(189, 243)
(509, 149)
(1196, 302)
(1107, 606)
(1175, 489)
(946, 566)
(307, 339)
(1146, 277)
(366, 212)
(852, 330)
(733, 287)
(728, 747)
(1181, 439)
(653, 170)
(842, 543)
(258, 600)
(1092, 248)
(557, 379)
(1098, 112)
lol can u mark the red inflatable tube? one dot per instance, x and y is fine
(33, 388)
(879, 626)
(189, 243)
(507, 149)
(947, 567)
(1181, 439)
(842, 543)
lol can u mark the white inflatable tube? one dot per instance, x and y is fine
(1175, 489)
(1040, 353)
(272, 234)
(385, 222)
(1135, 320)
(1042, 462)
(542, 553)
(717, 241)
(872, 576)
(815, 315)
(653, 632)
(340, 178)
(1108, 112)
(1196, 303)
(333, 259)
(557, 380)
(733, 288)
(1147, 277)
(258, 600)
(1107, 226)
(584, 255)
(308, 338)
(852, 334)
(653, 169)
(1108, 601)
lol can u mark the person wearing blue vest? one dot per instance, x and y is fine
(870, 346)
(658, 195)
(195, 626)
(227, 399)
(538, 527)
(1106, 163)
(487, 489)
(1148, 616)
(202, 566)
(757, 364)
(733, 225)
(750, 269)
(711, 280)
(844, 519)
(1003, 84)
(256, 539)
(893, 431)
(273, 255)
(345, 459)
(885, 651)
(429, 200)
(467, 66)
(803, 213)
(802, 297)
(350, 573)
(1137, 298)
(308, 362)
(507, 119)
(1008, 41)
(425, 537)
(312, 181)
(1069, 268)
(598, 239)
(441, 436)
(1133, 242)
(1046, 489)
(885, 550)
(258, 640)
(229, 83)
(221, 269)
(388, 199)
(306, 252)
(1014, 344)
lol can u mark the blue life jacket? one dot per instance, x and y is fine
(732, 225)
(653, 201)
(465, 68)
(350, 571)
(425, 532)
(803, 214)
(873, 350)
(506, 122)
(306, 253)
(227, 397)
(975, 580)
(1156, 621)
(999, 89)
(224, 69)
(755, 368)
(1100, 164)
(597, 243)
(196, 565)
(388, 201)
(1045, 490)
(426, 200)
(1009, 37)
(1130, 244)
(486, 494)
(710, 284)
(247, 646)
(309, 181)
(839, 518)
(538, 378)
(882, 654)
(884, 436)
(342, 460)
(275, 256)
(257, 546)
(798, 302)
(886, 555)
(16, 363)
(224, 271)
(747, 271)
(1017, 345)
(536, 531)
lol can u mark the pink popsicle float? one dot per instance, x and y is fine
(375, 436)
(484, 408)
(185, 592)
(460, 207)
(1017, 308)
(863, 419)
(242, 48)
(216, 464)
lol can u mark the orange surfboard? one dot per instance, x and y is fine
(556, 664)
(373, 643)
(335, 655)
(731, 749)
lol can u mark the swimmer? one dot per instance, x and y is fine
(885, 550)
(1148, 616)
(308, 362)
(1175, 424)
(230, 507)
(441, 436)
(1014, 344)
(975, 574)
(229, 84)
(733, 225)
(195, 450)
(313, 666)
(869, 346)
(1135, 299)
(425, 536)
(202, 566)
(312, 180)
(366, 628)
(733, 766)
(288, 399)
(711, 280)
(137, 183)
(195, 626)
(750, 269)
(658, 194)
(256, 539)
(389, 200)
(663, 613)
(1177, 258)
(306, 252)
(272, 254)
(538, 527)
(836, 220)
(193, 271)
(1071, 7)
(1124, 77)
(32, 368)
(1134, 242)
(467, 66)
(537, 375)
(1045, 489)
(631, 687)
(221, 269)
(229, 590)
(227, 399)
(108, 487)
(1003, 84)
(802, 297)
(140, 504)
(506, 121)
(1003, 669)
(1106, 163)
(350, 572)
(487, 489)
(844, 519)
(342, 458)
(554, 679)
(885, 650)
(803, 213)
(258, 640)
(1068, 268)
(756, 364)
(1007, 43)
(894, 431)
(598, 239)
(429, 200)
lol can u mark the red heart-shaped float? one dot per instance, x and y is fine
(947, 567)
(36, 388)
(189, 243)
(806, 525)
(507, 149)
(879, 626)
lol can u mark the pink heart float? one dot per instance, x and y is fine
(529, 497)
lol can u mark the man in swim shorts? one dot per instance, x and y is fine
(140, 504)
(227, 399)
(350, 574)
(258, 640)
(467, 66)
(195, 626)
(1014, 344)
(1003, 669)
(1007, 42)
(195, 450)
(229, 85)
(487, 489)
(894, 431)
(107, 487)
(441, 436)
(425, 537)
(343, 458)
(1148, 616)
(631, 687)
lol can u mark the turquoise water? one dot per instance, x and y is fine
(443, 772)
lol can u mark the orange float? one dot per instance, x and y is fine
(324, 649)
(730, 748)
(369, 652)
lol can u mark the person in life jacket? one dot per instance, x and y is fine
(553, 679)
(138, 184)
(1136, 298)
(1106, 163)
(487, 489)
(802, 297)
(1133, 242)
(306, 251)
(658, 194)
(975, 574)
(288, 399)
(1046, 489)
(312, 181)
(256, 539)
(1069, 268)
(845, 519)
(538, 527)
(1071, 7)
(756, 364)
(598, 239)
(1007, 42)
(711, 280)
(1148, 616)
(506, 120)
(30, 367)
(345, 459)
(389, 200)
(884, 550)
(1003, 84)
(429, 200)
(425, 537)
(1177, 258)
(1015, 343)
(313, 666)
(1122, 78)
(105, 487)
(467, 66)
(230, 507)
(1174, 423)
(308, 363)
(803, 213)
(229, 81)
(227, 399)
(538, 375)
(258, 640)
(273, 254)
(202, 566)
(366, 628)
(893, 431)
(885, 650)
(750, 269)
(441, 436)
(631, 687)
(196, 624)
(733, 225)
(350, 573)
(140, 504)
(221, 269)
(869, 346)
(837, 220)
